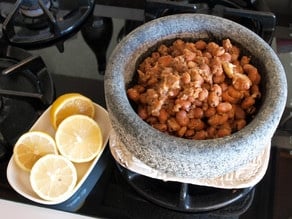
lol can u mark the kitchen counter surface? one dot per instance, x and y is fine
(8, 210)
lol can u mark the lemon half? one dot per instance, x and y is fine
(70, 104)
(79, 138)
(31, 146)
(53, 177)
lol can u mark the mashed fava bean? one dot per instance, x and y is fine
(196, 90)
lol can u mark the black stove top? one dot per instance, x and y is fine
(26, 89)
(118, 193)
(32, 23)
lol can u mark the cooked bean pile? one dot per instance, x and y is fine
(196, 90)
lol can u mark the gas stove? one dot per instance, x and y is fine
(48, 47)
(33, 23)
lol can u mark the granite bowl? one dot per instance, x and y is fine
(183, 157)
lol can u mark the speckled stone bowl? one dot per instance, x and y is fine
(182, 157)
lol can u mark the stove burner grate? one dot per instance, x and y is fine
(185, 197)
(33, 8)
(26, 89)
(40, 23)
(247, 13)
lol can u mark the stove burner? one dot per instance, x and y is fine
(32, 8)
(246, 13)
(39, 23)
(184, 197)
(26, 89)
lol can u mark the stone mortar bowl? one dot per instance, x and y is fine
(180, 157)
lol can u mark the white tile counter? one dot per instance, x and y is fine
(15, 210)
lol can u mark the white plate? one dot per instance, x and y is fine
(19, 179)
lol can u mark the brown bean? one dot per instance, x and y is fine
(247, 102)
(186, 78)
(192, 64)
(231, 114)
(198, 103)
(212, 48)
(152, 120)
(213, 99)
(220, 51)
(211, 132)
(207, 55)
(222, 132)
(234, 93)
(201, 135)
(189, 55)
(203, 95)
(224, 86)
(181, 132)
(239, 112)
(217, 119)
(205, 68)
(173, 125)
(160, 127)
(143, 98)
(244, 60)
(227, 98)
(218, 79)
(255, 91)
(210, 112)
(142, 112)
(226, 125)
(163, 49)
(216, 66)
(224, 107)
(239, 124)
(163, 116)
(237, 67)
(133, 94)
(181, 104)
(234, 51)
(226, 57)
(196, 113)
(196, 124)
(200, 44)
(227, 45)
(165, 61)
(189, 133)
(155, 56)
(241, 82)
(182, 118)
(252, 73)
(216, 89)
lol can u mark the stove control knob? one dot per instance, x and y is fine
(97, 33)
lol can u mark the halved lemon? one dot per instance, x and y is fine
(31, 146)
(53, 177)
(79, 138)
(70, 104)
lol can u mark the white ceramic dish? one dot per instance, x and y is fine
(19, 179)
